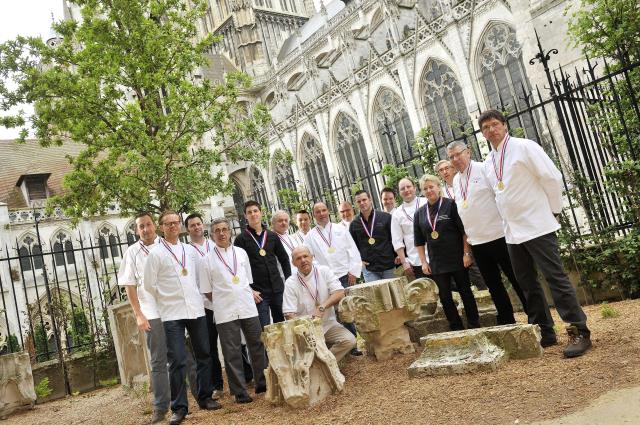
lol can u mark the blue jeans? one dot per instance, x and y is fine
(271, 303)
(370, 276)
(177, 357)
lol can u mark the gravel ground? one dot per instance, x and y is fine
(376, 392)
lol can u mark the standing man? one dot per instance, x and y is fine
(528, 191)
(446, 172)
(402, 228)
(225, 279)
(280, 225)
(346, 213)
(146, 312)
(388, 198)
(265, 252)
(203, 246)
(313, 291)
(483, 225)
(170, 278)
(332, 246)
(303, 221)
(371, 231)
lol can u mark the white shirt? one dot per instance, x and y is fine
(346, 257)
(394, 209)
(402, 229)
(300, 236)
(300, 300)
(203, 250)
(231, 301)
(345, 224)
(481, 219)
(290, 242)
(448, 192)
(177, 296)
(131, 272)
(532, 190)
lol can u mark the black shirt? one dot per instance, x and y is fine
(380, 255)
(445, 252)
(266, 277)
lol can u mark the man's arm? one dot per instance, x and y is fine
(355, 261)
(141, 320)
(150, 276)
(550, 178)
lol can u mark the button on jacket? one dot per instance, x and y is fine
(380, 255)
(266, 276)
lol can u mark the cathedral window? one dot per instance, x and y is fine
(351, 152)
(314, 167)
(63, 249)
(258, 188)
(393, 127)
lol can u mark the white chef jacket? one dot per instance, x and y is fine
(345, 259)
(448, 192)
(402, 229)
(481, 219)
(290, 242)
(131, 272)
(203, 250)
(297, 299)
(231, 301)
(300, 236)
(532, 190)
(177, 296)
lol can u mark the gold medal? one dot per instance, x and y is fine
(235, 279)
(465, 205)
(371, 241)
(184, 272)
(435, 235)
(331, 250)
(262, 252)
(500, 185)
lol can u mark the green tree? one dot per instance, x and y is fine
(426, 149)
(125, 83)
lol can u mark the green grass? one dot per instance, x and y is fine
(108, 382)
(608, 312)
(43, 389)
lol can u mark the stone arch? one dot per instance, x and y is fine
(108, 241)
(62, 247)
(258, 187)
(392, 126)
(314, 167)
(29, 252)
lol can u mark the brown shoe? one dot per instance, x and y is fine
(578, 343)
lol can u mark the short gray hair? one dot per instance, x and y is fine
(277, 214)
(220, 220)
(442, 161)
(457, 144)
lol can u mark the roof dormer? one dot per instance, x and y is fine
(34, 188)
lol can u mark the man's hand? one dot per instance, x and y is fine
(365, 264)
(143, 323)
(319, 314)
(397, 261)
(467, 260)
(256, 297)
(351, 279)
(408, 270)
(426, 269)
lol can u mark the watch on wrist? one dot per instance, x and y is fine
(321, 308)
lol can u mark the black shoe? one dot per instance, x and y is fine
(355, 352)
(177, 417)
(209, 404)
(158, 416)
(548, 340)
(261, 389)
(243, 398)
(578, 343)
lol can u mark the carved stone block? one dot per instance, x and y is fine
(130, 345)
(16, 383)
(302, 371)
(380, 309)
(471, 350)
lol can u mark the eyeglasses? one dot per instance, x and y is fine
(456, 155)
(490, 127)
(219, 231)
(171, 223)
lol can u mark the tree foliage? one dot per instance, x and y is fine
(125, 82)
(425, 146)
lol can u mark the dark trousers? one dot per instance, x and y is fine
(476, 277)
(230, 342)
(344, 280)
(271, 306)
(216, 368)
(177, 357)
(543, 252)
(490, 258)
(461, 277)
(417, 272)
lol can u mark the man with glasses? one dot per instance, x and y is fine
(483, 226)
(170, 278)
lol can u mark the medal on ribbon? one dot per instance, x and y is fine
(143, 247)
(369, 233)
(410, 218)
(202, 254)
(262, 243)
(182, 264)
(234, 272)
(330, 248)
(434, 232)
(286, 240)
(500, 172)
(465, 189)
(451, 195)
(316, 297)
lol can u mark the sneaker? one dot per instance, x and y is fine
(209, 404)
(548, 340)
(177, 417)
(217, 394)
(578, 343)
(355, 352)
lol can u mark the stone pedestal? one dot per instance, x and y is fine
(380, 309)
(16, 383)
(130, 345)
(472, 350)
(302, 371)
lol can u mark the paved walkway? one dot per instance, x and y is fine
(613, 408)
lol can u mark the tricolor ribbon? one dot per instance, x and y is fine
(373, 223)
(143, 247)
(451, 196)
(493, 158)
(405, 212)
(183, 264)
(234, 271)
(263, 238)
(202, 254)
(303, 283)
(286, 240)
(435, 220)
(327, 241)
(465, 190)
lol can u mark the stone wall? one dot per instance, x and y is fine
(16, 383)
(130, 346)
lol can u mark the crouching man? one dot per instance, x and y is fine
(225, 278)
(313, 291)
